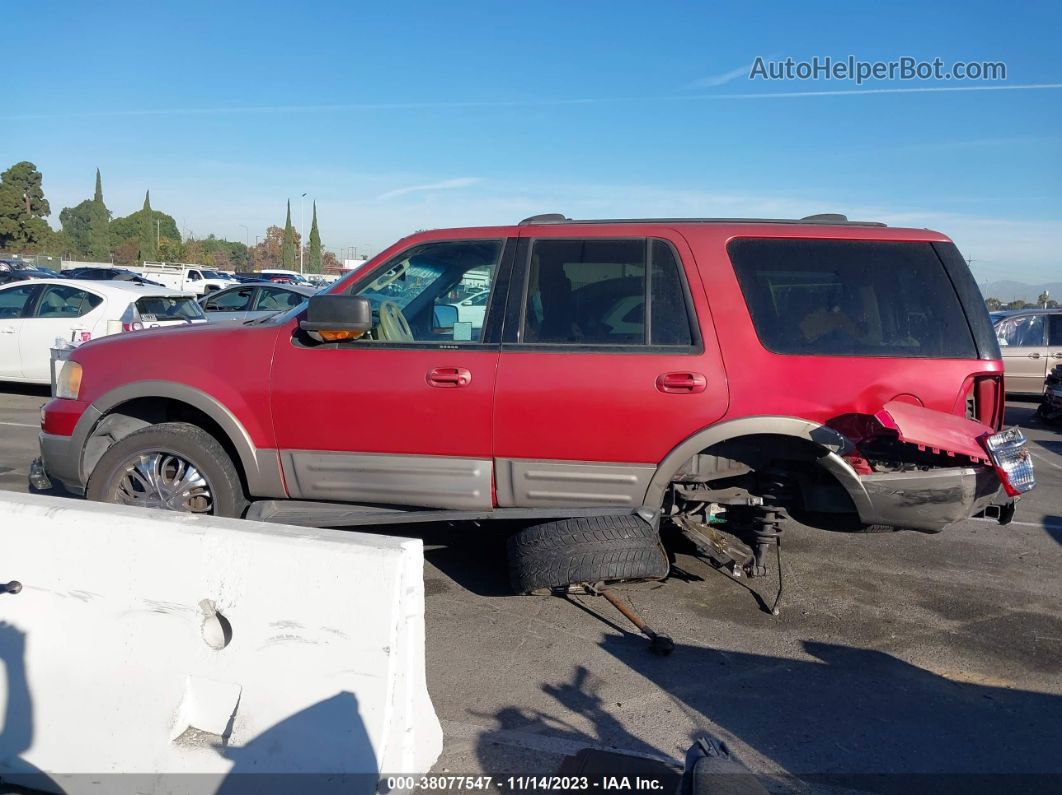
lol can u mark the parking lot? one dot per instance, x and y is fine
(894, 653)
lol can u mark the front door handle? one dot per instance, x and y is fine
(449, 377)
(1034, 356)
(681, 383)
(7, 330)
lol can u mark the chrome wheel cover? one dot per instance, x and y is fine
(160, 479)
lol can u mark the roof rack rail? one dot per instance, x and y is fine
(831, 219)
(545, 218)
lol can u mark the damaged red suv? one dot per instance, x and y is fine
(832, 371)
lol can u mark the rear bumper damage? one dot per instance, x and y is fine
(932, 500)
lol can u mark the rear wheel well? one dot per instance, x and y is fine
(784, 470)
(125, 418)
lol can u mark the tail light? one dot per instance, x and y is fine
(983, 400)
(131, 320)
(1012, 461)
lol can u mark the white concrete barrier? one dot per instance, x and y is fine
(154, 643)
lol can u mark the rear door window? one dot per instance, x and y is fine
(272, 299)
(1054, 334)
(851, 298)
(60, 301)
(596, 292)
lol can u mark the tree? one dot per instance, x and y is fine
(269, 252)
(86, 226)
(23, 209)
(147, 249)
(329, 263)
(1015, 305)
(993, 304)
(99, 244)
(76, 222)
(1042, 299)
(314, 264)
(288, 254)
(128, 228)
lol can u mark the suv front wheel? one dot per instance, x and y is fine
(175, 466)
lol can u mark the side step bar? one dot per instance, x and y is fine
(333, 514)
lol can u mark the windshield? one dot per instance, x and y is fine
(211, 275)
(158, 308)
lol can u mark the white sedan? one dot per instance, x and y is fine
(33, 314)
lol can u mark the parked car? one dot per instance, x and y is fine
(34, 314)
(1031, 342)
(252, 301)
(283, 276)
(12, 270)
(820, 369)
(108, 275)
(244, 278)
(473, 309)
(191, 278)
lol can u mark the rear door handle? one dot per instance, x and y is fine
(449, 377)
(7, 330)
(681, 383)
(1056, 356)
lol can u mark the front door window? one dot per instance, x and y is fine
(418, 298)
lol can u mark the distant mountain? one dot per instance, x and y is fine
(1007, 291)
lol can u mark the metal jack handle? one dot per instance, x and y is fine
(658, 644)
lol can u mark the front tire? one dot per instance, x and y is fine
(175, 466)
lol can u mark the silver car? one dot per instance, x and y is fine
(250, 301)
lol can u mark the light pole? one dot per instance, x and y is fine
(246, 235)
(302, 228)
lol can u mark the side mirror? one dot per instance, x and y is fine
(337, 317)
(444, 317)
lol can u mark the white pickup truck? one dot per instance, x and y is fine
(191, 278)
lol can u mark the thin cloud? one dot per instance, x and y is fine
(721, 79)
(446, 184)
(524, 103)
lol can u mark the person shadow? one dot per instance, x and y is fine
(846, 718)
(300, 754)
(16, 736)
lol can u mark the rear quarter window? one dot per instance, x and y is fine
(851, 298)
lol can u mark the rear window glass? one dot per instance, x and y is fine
(848, 298)
(169, 308)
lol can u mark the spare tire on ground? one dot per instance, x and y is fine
(555, 555)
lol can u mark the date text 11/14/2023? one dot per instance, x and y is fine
(525, 783)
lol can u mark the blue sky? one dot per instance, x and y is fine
(398, 116)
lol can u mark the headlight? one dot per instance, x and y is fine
(68, 384)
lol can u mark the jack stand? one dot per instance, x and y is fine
(658, 644)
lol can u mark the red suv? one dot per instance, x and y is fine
(829, 370)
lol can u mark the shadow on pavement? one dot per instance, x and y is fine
(851, 718)
(1053, 528)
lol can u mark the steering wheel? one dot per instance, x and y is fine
(393, 324)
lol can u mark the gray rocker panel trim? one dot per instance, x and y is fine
(526, 483)
(831, 442)
(415, 480)
(260, 465)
